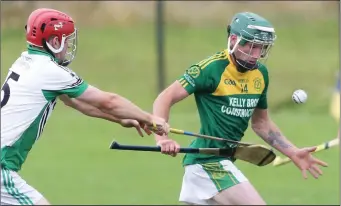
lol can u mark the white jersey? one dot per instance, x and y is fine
(28, 97)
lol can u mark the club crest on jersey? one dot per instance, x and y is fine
(193, 71)
(257, 84)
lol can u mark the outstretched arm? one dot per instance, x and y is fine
(88, 109)
(61, 80)
(92, 111)
(114, 105)
(264, 127)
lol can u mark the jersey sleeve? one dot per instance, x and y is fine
(62, 80)
(196, 79)
(263, 101)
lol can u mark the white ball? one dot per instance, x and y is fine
(299, 96)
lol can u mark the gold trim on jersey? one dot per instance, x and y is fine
(182, 81)
(220, 56)
(202, 65)
(233, 82)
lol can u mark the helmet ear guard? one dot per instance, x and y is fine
(46, 45)
(47, 48)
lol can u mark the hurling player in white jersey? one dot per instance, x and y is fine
(28, 96)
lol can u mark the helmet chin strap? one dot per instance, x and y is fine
(56, 51)
(229, 44)
(242, 66)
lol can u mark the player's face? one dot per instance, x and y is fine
(55, 42)
(249, 52)
(63, 52)
(69, 49)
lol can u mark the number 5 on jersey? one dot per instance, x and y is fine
(5, 90)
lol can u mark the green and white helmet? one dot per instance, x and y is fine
(250, 27)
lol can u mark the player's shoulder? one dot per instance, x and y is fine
(263, 69)
(51, 67)
(44, 61)
(215, 63)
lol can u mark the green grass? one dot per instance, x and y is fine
(71, 163)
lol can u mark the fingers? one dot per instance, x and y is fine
(177, 147)
(159, 126)
(304, 174)
(174, 149)
(313, 173)
(158, 129)
(310, 149)
(319, 162)
(317, 169)
(136, 124)
(165, 149)
(146, 129)
(313, 169)
(164, 128)
(138, 128)
(170, 147)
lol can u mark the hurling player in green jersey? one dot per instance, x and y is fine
(230, 88)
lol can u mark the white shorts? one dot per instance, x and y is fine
(201, 182)
(15, 190)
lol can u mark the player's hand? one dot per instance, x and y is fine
(169, 147)
(159, 126)
(304, 160)
(128, 123)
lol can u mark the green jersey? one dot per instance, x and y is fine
(225, 100)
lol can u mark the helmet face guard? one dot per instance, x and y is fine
(255, 38)
(72, 48)
(264, 45)
(71, 43)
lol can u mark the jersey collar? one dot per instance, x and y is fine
(230, 59)
(32, 50)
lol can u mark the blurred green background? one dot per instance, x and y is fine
(71, 163)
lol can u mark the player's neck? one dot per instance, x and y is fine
(36, 48)
(233, 60)
(239, 68)
(39, 51)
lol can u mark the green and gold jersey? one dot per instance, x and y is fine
(225, 99)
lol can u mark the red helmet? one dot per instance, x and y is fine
(44, 23)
